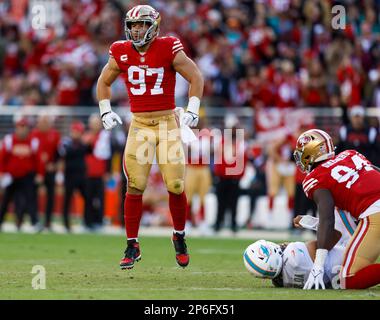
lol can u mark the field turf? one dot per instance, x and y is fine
(86, 267)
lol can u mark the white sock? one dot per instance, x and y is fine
(137, 240)
(179, 232)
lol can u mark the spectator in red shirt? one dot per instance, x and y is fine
(49, 139)
(350, 83)
(313, 82)
(288, 86)
(20, 170)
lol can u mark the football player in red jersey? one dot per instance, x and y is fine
(149, 64)
(350, 182)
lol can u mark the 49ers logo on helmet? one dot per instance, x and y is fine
(304, 140)
(153, 14)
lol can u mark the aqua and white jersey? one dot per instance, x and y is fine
(346, 225)
(297, 264)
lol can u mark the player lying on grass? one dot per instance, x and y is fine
(289, 264)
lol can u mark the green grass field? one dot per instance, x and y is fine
(86, 267)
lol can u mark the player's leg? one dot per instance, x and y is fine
(171, 160)
(30, 194)
(233, 200)
(359, 270)
(137, 162)
(85, 187)
(20, 202)
(221, 191)
(274, 183)
(69, 190)
(50, 192)
(7, 197)
(98, 202)
(290, 187)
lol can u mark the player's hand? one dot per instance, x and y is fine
(110, 120)
(315, 279)
(190, 119)
(296, 221)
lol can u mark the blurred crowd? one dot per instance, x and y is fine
(257, 53)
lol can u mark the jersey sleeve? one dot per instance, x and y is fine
(175, 46)
(296, 265)
(312, 182)
(115, 50)
(294, 255)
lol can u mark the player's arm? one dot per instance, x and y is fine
(103, 92)
(326, 233)
(189, 70)
(325, 238)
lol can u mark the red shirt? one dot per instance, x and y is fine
(49, 141)
(230, 166)
(96, 161)
(353, 183)
(150, 77)
(19, 157)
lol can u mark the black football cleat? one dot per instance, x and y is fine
(181, 255)
(131, 254)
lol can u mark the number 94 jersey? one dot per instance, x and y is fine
(150, 76)
(350, 178)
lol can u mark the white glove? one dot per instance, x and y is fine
(190, 119)
(315, 278)
(191, 116)
(316, 274)
(109, 118)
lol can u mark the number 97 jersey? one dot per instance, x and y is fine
(350, 178)
(150, 76)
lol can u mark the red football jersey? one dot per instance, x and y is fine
(149, 77)
(353, 183)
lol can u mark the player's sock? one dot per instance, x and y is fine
(271, 201)
(132, 214)
(202, 213)
(291, 203)
(364, 278)
(178, 205)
